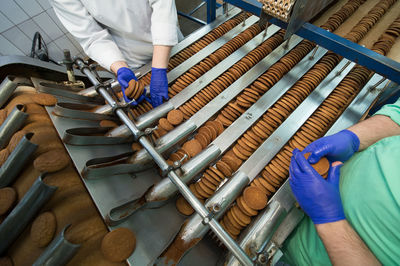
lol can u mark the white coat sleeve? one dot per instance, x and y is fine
(164, 22)
(95, 40)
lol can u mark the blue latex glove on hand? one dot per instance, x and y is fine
(124, 76)
(158, 86)
(338, 147)
(319, 198)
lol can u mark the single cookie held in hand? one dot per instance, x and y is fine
(118, 244)
(43, 229)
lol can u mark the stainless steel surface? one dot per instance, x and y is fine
(204, 30)
(12, 124)
(212, 47)
(304, 11)
(82, 111)
(7, 87)
(16, 160)
(91, 91)
(22, 214)
(288, 224)
(59, 252)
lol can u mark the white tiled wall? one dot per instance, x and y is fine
(20, 19)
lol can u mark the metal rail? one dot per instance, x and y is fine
(142, 139)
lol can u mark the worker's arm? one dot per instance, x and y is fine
(95, 40)
(164, 21)
(343, 244)
(342, 145)
(320, 200)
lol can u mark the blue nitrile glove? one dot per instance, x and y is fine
(158, 86)
(124, 76)
(338, 147)
(319, 198)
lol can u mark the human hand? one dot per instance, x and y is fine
(338, 147)
(158, 86)
(124, 75)
(319, 198)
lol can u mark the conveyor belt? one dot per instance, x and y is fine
(247, 99)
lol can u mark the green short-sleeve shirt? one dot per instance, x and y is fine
(370, 192)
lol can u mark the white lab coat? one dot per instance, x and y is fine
(114, 30)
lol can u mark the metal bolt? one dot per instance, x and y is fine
(314, 52)
(206, 220)
(261, 258)
(249, 116)
(216, 207)
(343, 68)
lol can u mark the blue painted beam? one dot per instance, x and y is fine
(350, 50)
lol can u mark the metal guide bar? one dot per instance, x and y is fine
(166, 141)
(351, 115)
(193, 37)
(185, 191)
(212, 47)
(220, 68)
(266, 101)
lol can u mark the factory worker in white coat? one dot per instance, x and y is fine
(125, 34)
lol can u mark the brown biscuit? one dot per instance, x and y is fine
(108, 123)
(240, 215)
(192, 147)
(183, 206)
(118, 244)
(322, 166)
(3, 116)
(6, 261)
(8, 195)
(255, 198)
(202, 139)
(15, 139)
(44, 99)
(224, 168)
(164, 124)
(4, 153)
(51, 161)
(175, 117)
(43, 229)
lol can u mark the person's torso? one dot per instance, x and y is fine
(370, 192)
(129, 23)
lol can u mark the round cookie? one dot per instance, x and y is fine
(118, 244)
(322, 166)
(51, 161)
(44, 99)
(183, 206)
(164, 124)
(175, 117)
(255, 198)
(43, 229)
(8, 195)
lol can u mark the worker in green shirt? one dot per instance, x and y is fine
(354, 219)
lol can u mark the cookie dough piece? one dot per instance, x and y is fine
(43, 229)
(51, 161)
(118, 244)
(8, 195)
(44, 99)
